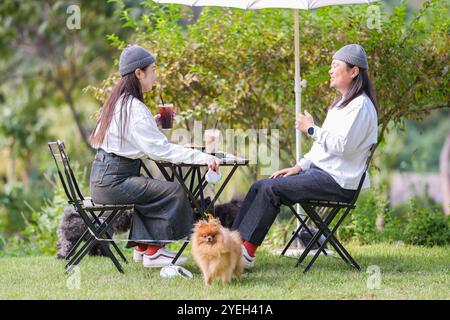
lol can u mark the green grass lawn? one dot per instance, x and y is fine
(407, 272)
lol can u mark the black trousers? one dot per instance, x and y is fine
(263, 201)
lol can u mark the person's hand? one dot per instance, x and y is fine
(304, 122)
(213, 163)
(286, 172)
(157, 118)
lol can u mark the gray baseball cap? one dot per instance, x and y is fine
(134, 57)
(353, 54)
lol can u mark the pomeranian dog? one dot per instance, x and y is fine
(217, 251)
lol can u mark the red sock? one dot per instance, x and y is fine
(152, 248)
(141, 247)
(251, 248)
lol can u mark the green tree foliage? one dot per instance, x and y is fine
(417, 148)
(234, 68)
(44, 65)
(45, 61)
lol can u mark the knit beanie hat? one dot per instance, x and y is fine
(134, 57)
(353, 54)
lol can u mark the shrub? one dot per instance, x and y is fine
(427, 226)
(40, 231)
(418, 221)
(39, 235)
(361, 223)
(12, 207)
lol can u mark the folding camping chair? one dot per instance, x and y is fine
(333, 209)
(92, 213)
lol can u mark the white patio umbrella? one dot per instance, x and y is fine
(290, 4)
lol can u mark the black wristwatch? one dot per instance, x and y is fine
(311, 131)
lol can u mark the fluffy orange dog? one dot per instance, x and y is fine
(217, 251)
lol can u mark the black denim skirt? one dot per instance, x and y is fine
(162, 208)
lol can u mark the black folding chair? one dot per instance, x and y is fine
(92, 214)
(323, 225)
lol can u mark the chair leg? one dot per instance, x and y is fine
(311, 262)
(317, 253)
(308, 248)
(329, 218)
(303, 224)
(322, 225)
(83, 248)
(74, 248)
(317, 221)
(119, 252)
(343, 253)
(331, 236)
(332, 239)
(97, 233)
(80, 254)
(102, 231)
(328, 238)
(80, 240)
(88, 248)
(90, 242)
(88, 224)
(179, 252)
(111, 256)
(351, 262)
(109, 236)
(294, 235)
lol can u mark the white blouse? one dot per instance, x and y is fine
(341, 146)
(143, 139)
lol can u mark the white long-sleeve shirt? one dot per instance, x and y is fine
(143, 139)
(341, 146)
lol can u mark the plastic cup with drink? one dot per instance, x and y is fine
(212, 137)
(166, 113)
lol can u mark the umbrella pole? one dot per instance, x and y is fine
(297, 89)
(298, 102)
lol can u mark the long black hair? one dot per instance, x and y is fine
(128, 86)
(360, 84)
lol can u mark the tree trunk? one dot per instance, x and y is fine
(77, 119)
(444, 166)
(11, 166)
(26, 171)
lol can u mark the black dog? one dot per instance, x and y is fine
(227, 212)
(72, 227)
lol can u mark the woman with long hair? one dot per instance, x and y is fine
(333, 167)
(125, 133)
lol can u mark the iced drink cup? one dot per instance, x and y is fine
(166, 112)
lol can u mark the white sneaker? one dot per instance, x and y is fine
(162, 258)
(138, 256)
(247, 261)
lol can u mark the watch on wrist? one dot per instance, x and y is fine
(311, 131)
